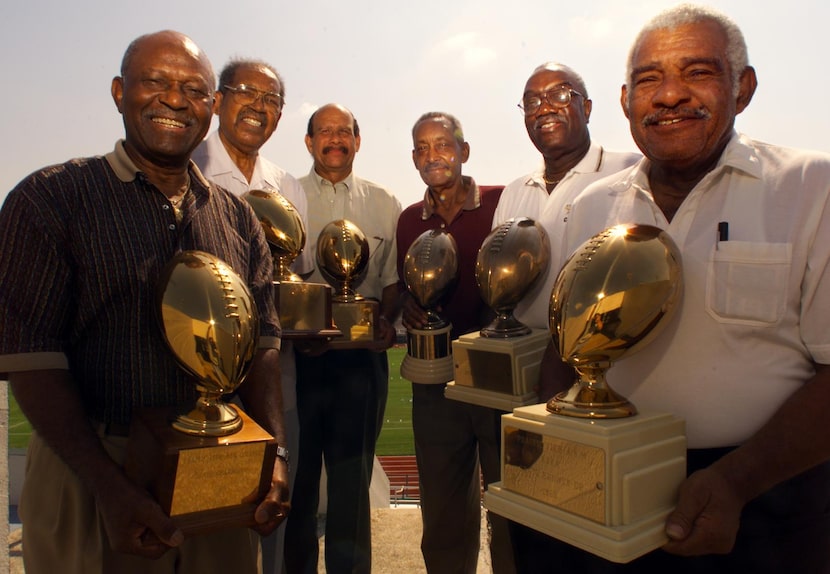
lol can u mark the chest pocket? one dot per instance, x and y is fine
(747, 282)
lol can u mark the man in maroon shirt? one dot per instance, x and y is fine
(451, 437)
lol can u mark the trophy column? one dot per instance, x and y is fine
(498, 367)
(430, 270)
(587, 468)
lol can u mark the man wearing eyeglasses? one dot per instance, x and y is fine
(556, 111)
(249, 101)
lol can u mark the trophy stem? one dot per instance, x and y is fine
(591, 397)
(210, 417)
(504, 326)
(282, 269)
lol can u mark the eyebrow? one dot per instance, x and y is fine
(549, 88)
(716, 63)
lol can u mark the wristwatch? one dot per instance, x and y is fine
(282, 453)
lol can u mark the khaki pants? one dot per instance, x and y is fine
(63, 532)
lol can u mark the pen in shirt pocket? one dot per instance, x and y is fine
(723, 233)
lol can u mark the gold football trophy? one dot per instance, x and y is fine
(498, 367)
(304, 308)
(430, 271)
(587, 468)
(342, 257)
(209, 465)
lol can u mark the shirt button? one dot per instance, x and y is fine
(172, 227)
(165, 207)
(443, 225)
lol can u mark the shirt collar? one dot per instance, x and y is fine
(591, 162)
(472, 201)
(126, 170)
(321, 183)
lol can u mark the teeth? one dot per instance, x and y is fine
(252, 122)
(669, 122)
(169, 122)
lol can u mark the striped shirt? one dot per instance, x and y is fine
(84, 245)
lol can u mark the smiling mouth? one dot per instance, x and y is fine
(169, 122)
(252, 122)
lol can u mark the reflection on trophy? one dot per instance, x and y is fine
(304, 308)
(498, 367)
(209, 464)
(342, 257)
(430, 272)
(587, 468)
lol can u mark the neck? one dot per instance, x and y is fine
(245, 160)
(170, 177)
(449, 200)
(333, 175)
(557, 166)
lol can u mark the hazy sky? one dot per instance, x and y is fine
(389, 61)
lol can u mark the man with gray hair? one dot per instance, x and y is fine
(249, 101)
(745, 361)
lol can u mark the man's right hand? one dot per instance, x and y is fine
(135, 523)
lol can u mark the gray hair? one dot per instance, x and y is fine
(455, 125)
(683, 14)
(228, 73)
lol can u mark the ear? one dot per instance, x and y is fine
(117, 91)
(356, 144)
(624, 100)
(413, 159)
(465, 152)
(308, 143)
(748, 84)
(587, 106)
(217, 102)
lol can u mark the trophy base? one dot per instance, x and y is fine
(483, 398)
(605, 486)
(203, 483)
(428, 359)
(357, 322)
(505, 371)
(305, 310)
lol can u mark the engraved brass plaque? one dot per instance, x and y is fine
(565, 474)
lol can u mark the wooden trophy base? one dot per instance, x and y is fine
(204, 484)
(497, 373)
(358, 323)
(602, 485)
(305, 310)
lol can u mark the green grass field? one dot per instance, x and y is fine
(395, 438)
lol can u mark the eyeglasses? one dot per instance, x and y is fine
(557, 98)
(247, 95)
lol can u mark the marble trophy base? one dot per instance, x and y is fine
(204, 483)
(602, 485)
(497, 373)
(428, 357)
(305, 310)
(358, 324)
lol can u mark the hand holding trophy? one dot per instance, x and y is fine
(430, 271)
(587, 468)
(209, 464)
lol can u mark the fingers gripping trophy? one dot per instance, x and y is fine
(430, 272)
(587, 467)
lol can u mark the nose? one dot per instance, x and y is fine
(671, 92)
(173, 96)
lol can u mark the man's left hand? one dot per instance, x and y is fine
(277, 503)
(706, 518)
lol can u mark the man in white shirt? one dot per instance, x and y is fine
(557, 110)
(249, 102)
(744, 360)
(342, 394)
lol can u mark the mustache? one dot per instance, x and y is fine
(674, 113)
(436, 164)
(556, 118)
(341, 148)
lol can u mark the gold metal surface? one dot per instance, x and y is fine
(613, 296)
(283, 227)
(342, 257)
(210, 323)
(510, 261)
(431, 271)
(564, 474)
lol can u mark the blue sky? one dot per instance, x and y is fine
(388, 61)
